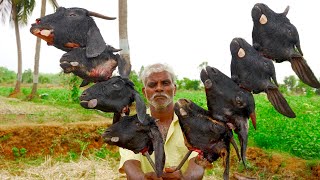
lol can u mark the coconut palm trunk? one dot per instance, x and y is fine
(17, 88)
(123, 36)
(37, 56)
(18, 12)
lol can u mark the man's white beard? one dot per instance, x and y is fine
(160, 105)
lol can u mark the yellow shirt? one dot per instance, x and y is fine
(174, 149)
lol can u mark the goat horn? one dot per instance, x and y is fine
(100, 16)
(285, 12)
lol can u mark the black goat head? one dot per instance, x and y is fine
(131, 134)
(114, 95)
(209, 137)
(276, 38)
(70, 28)
(229, 103)
(94, 69)
(254, 72)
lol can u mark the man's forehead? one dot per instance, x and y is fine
(159, 76)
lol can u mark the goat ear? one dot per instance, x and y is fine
(140, 107)
(95, 42)
(116, 117)
(158, 147)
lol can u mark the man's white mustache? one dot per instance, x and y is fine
(159, 94)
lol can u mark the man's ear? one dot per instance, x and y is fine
(144, 92)
(175, 89)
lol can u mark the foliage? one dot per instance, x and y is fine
(19, 152)
(104, 152)
(75, 90)
(27, 76)
(188, 84)
(137, 82)
(290, 82)
(295, 85)
(7, 76)
(72, 156)
(138, 85)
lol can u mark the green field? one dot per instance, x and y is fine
(299, 136)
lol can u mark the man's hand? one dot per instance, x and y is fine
(171, 173)
(152, 176)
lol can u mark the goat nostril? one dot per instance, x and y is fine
(38, 20)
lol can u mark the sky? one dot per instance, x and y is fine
(181, 33)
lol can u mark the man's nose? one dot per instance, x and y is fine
(159, 87)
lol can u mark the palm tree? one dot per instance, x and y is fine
(123, 35)
(37, 53)
(18, 11)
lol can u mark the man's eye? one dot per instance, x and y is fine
(166, 83)
(151, 85)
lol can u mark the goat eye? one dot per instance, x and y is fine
(72, 14)
(238, 101)
(290, 32)
(138, 124)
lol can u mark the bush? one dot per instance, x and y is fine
(7, 76)
(188, 84)
(27, 76)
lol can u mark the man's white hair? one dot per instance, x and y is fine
(155, 68)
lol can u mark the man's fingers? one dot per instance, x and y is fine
(170, 169)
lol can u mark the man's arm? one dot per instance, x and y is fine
(133, 170)
(194, 171)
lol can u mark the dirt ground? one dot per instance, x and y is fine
(53, 139)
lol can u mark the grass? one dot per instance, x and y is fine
(64, 110)
(68, 167)
(299, 136)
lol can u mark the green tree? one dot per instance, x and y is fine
(27, 76)
(6, 76)
(18, 12)
(305, 89)
(134, 77)
(188, 84)
(290, 82)
(37, 52)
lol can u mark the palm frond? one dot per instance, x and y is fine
(5, 9)
(24, 10)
